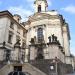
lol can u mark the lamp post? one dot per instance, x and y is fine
(56, 65)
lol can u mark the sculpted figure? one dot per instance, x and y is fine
(49, 39)
(18, 42)
(4, 43)
(32, 40)
(53, 38)
(58, 42)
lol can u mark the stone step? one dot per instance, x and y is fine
(26, 68)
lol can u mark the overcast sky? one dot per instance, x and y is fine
(26, 8)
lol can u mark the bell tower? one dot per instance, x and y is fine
(40, 5)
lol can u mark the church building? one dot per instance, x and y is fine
(39, 46)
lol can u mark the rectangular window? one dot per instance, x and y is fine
(24, 33)
(10, 37)
(18, 29)
(12, 25)
(17, 38)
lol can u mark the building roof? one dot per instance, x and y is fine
(6, 12)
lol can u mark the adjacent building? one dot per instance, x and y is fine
(10, 32)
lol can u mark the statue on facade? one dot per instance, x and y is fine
(32, 41)
(53, 38)
(4, 43)
(58, 42)
(18, 42)
(49, 39)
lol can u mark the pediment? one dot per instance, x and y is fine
(39, 16)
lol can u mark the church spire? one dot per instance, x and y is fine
(40, 5)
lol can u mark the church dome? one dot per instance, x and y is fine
(17, 73)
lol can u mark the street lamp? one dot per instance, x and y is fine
(56, 65)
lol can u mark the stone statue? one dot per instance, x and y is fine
(18, 42)
(58, 42)
(49, 39)
(4, 43)
(53, 38)
(32, 40)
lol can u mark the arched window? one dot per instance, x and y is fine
(39, 8)
(40, 35)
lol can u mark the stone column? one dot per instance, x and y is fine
(2, 56)
(32, 52)
(26, 54)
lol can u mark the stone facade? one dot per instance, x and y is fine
(50, 26)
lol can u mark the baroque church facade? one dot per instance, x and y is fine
(39, 46)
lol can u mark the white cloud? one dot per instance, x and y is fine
(69, 9)
(21, 11)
